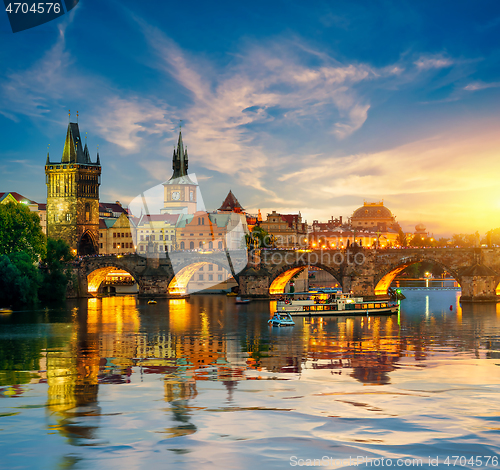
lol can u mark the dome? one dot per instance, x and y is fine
(372, 211)
(420, 228)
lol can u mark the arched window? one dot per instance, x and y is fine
(210, 245)
(191, 245)
(219, 245)
(87, 212)
(200, 245)
(182, 245)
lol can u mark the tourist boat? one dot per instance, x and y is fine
(231, 294)
(338, 303)
(281, 319)
(152, 302)
(239, 300)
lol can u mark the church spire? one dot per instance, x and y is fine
(180, 159)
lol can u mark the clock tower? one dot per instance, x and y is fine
(179, 191)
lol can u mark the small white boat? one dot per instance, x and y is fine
(281, 319)
(239, 300)
(152, 301)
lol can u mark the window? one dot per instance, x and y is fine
(200, 245)
(182, 245)
(161, 237)
(210, 245)
(152, 237)
(219, 277)
(219, 245)
(191, 245)
(142, 247)
(114, 245)
(100, 235)
(87, 212)
(142, 237)
(68, 217)
(161, 247)
(114, 235)
(210, 267)
(200, 277)
(219, 268)
(202, 268)
(100, 246)
(123, 235)
(118, 234)
(210, 277)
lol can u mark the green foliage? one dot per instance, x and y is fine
(402, 239)
(20, 231)
(259, 238)
(19, 280)
(464, 240)
(492, 237)
(55, 274)
(418, 270)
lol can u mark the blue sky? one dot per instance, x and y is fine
(310, 106)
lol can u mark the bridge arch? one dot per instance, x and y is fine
(97, 277)
(179, 283)
(384, 279)
(281, 276)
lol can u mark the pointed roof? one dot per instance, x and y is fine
(86, 154)
(231, 204)
(180, 159)
(73, 150)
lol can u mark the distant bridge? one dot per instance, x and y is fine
(365, 272)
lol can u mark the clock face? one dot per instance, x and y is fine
(176, 195)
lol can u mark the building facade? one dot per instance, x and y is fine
(288, 229)
(73, 195)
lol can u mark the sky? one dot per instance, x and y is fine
(294, 106)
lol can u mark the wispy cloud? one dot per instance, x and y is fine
(434, 62)
(475, 86)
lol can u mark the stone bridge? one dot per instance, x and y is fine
(365, 272)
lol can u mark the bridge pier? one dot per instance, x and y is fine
(254, 284)
(479, 284)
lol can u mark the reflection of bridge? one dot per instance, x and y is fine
(364, 272)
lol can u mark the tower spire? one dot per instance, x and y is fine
(180, 158)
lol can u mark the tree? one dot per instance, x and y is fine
(55, 274)
(19, 280)
(260, 238)
(402, 239)
(20, 231)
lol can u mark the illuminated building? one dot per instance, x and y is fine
(157, 233)
(374, 215)
(288, 229)
(73, 195)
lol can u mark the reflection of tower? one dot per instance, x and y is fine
(179, 190)
(72, 377)
(178, 391)
(73, 195)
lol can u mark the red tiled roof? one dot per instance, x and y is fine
(231, 204)
(18, 197)
(111, 206)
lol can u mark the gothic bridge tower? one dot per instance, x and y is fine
(73, 195)
(179, 190)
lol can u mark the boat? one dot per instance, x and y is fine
(239, 300)
(231, 294)
(152, 302)
(5, 311)
(281, 319)
(338, 304)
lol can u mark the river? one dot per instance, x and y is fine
(205, 383)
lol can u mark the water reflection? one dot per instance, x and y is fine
(85, 353)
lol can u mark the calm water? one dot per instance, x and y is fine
(204, 383)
